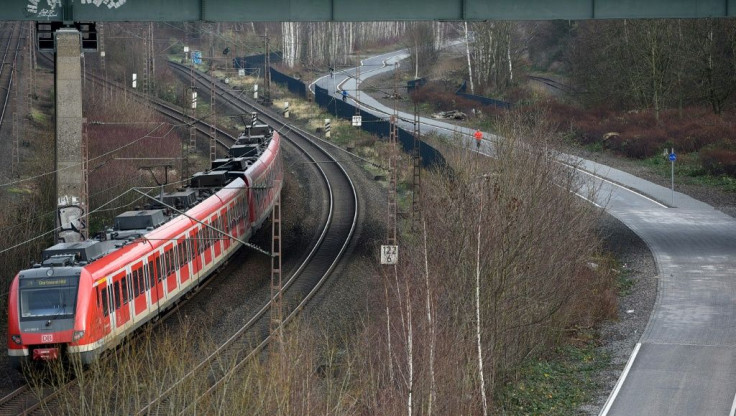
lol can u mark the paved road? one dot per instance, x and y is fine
(685, 361)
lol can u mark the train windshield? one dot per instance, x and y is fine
(48, 298)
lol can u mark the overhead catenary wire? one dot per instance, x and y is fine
(77, 165)
(59, 228)
(245, 243)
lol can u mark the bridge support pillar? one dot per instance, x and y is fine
(70, 179)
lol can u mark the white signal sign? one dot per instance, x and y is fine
(357, 121)
(389, 254)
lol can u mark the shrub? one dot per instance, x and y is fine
(718, 161)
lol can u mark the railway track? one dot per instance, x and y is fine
(8, 87)
(339, 226)
(557, 85)
(7, 71)
(298, 288)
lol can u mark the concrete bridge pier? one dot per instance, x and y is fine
(70, 178)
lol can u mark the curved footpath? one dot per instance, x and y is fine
(685, 361)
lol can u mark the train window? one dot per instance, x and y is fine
(141, 280)
(162, 267)
(182, 253)
(158, 266)
(175, 257)
(134, 283)
(172, 259)
(165, 264)
(151, 275)
(105, 304)
(179, 257)
(124, 286)
(116, 295)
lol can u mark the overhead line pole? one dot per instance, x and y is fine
(393, 138)
(277, 312)
(416, 201)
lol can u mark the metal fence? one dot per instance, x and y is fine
(380, 126)
(483, 100)
(255, 61)
(294, 85)
(375, 125)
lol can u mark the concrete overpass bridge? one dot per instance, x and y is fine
(357, 10)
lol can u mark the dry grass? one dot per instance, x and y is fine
(541, 279)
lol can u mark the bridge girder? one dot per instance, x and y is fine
(357, 10)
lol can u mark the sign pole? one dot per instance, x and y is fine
(672, 158)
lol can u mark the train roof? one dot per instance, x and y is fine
(132, 225)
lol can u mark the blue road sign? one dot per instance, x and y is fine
(672, 157)
(197, 57)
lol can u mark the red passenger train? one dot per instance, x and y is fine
(86, 297)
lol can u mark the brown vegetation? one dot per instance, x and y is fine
(639, 135)
(510, 230)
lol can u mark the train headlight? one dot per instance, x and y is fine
(77, 335)
(16, 339)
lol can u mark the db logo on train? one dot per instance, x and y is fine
(47, 338)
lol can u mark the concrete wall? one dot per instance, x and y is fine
(69, 175)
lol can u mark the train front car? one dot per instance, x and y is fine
(46, 313)
(85, 297)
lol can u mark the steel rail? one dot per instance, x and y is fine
(302, 275)
(9, 84)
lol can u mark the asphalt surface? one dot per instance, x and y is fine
(685, 361)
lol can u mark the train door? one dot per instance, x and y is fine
(138, 285)
(243, 213)
(122, 309)
(155, 279)
(105, 319)
(227, 227)
(183, 251)
(217, 235)
(170, 268)
(206, 234)
(194, 249)
(151, 278)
